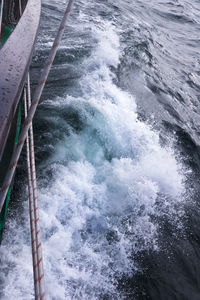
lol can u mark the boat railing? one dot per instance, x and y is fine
(15, 58)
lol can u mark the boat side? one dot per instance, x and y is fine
(15, 58)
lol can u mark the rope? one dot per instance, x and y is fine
(39, 264)
(31, 205)
(38, 271)
(31, 112)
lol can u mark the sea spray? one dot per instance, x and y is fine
(99, 205)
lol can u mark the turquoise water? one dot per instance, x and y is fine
(116, 138)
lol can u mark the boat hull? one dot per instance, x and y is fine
(15, 59)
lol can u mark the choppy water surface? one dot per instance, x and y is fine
(117, 147)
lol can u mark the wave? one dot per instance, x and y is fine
(110, 182)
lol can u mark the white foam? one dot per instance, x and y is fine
(96, 210)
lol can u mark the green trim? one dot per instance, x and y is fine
(5, 207)
(6, 33)
(4, 213)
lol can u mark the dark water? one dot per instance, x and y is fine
(118, 161)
